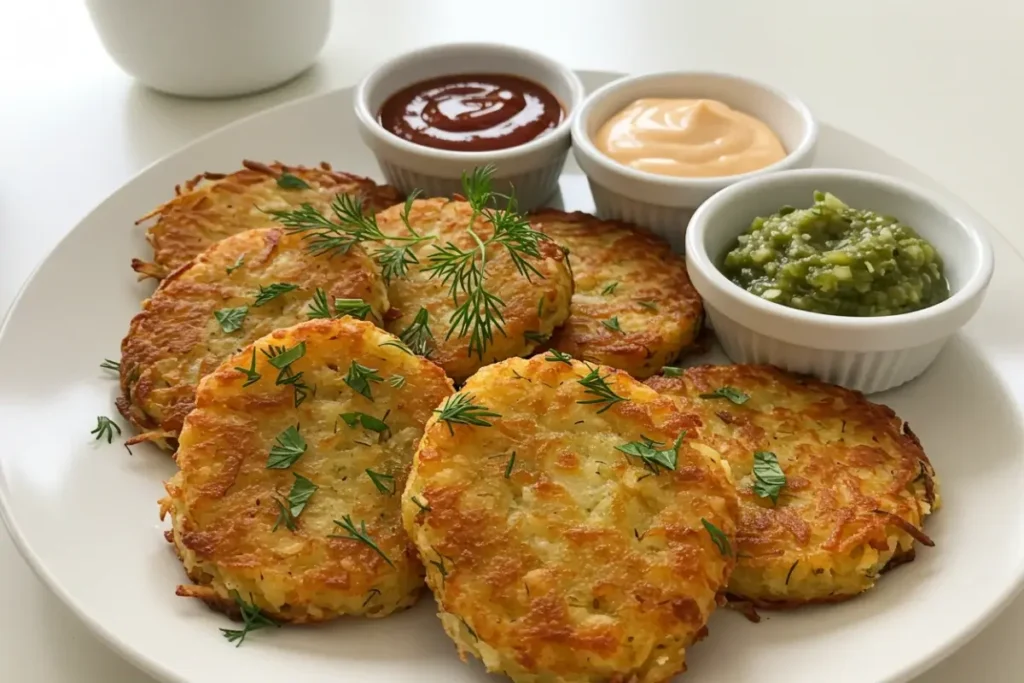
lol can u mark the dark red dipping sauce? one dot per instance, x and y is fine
(471, 112)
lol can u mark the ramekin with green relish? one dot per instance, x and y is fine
(835, 259)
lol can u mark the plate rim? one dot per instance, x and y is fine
(158, 671)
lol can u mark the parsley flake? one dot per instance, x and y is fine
(231, 319)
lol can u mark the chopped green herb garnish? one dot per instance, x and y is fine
(365, 421)
(649, 305)
(302, 491)
(671, 371)
(236, 265)
(398, 344)
(359, 378)
(397, 381)
(374, 592)
(610, 288)
(536, 337)
(357, 308)
(652, 455)
(105, 428)
(271, 292)
(460, 409)
(252, 620)
(612, 324)
(318, 307)
(556, 356)
(731, 393)
(231, 319)
(510, 465)
(281, 358)
(291, 182)
(768, 476)
(720, 540)
(385, 483)
(360, 535)
(420, 504)
(418, 337)
(597, 386)
(251, 375)
(288, 448)
(108, 364)
(478, 311)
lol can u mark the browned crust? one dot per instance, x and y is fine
(211, 206)
(646, 270)
(857, 475)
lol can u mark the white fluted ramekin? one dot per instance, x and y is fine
(665, 203)
(866, 354)
(532, 168)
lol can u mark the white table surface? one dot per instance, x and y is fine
(938, 85)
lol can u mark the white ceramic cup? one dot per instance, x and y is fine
(212, 48)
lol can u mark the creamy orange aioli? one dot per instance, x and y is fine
(692, 138)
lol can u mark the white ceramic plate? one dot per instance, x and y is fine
(84, 513)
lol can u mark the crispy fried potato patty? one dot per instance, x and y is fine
(552, 554)
(530, 308)
(210, 308)
(226, 502)
(858, 484)
(633, 307)
(213, 206)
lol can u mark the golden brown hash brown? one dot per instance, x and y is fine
(224, 503)
(532, 308)
(552, 554)
(177, 338)
(212, 206)
(858, 484)
(633, 307)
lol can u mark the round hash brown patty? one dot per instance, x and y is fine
(553, 553)
(213, 206)
(243, 523)
(857, 482)
(212, 307)
(530, 308)
(633, 307)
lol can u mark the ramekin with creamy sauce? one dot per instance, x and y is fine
(655, 147)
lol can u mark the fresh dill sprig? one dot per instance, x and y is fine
(357, 308)
(105, 427)
(649, 305)
(288, 448)
(397, 381)
(460, 409)
(597, 386)
(108, 364)
(671, 371)
(360, 535)
(251, 375)
(610, 288)
(252, 620)
(556, 356)
(349, 226)
(282, 359)
(478, 311)
(418, 337)
(359, 378)
(510, 465)
(271, 292)
(536, 337)
(318, 307)
(385, 483)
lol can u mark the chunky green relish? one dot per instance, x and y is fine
(834, 259)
